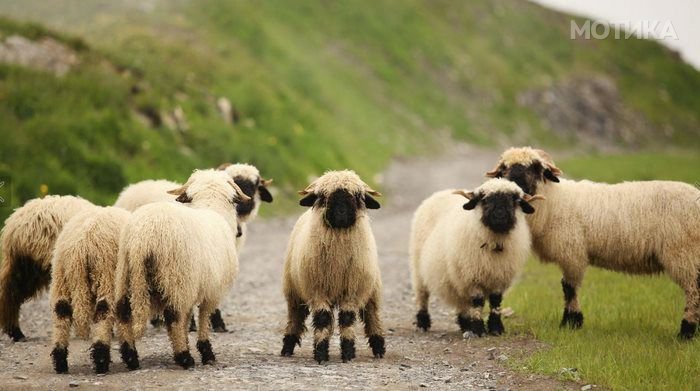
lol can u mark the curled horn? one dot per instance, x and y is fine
(180, 190)
(240, 195)
(548, 162)
(265, 182)
(496, 171)
(468, 195)
(373, 192)
(223, 166)
(535, 197)
(309, 189)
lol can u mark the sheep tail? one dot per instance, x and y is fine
(140, 293)
(82, 298)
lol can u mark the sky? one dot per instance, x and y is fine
(683, 15)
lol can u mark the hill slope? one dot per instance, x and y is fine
(316, 85)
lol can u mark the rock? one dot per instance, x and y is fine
(586, 387)
(20, 377)
(225, 109)
(502, 357)
(73, 384)
(507, 312)
(469, 335)
(492, 353)
(45, 54)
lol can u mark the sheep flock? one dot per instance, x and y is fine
(169, 252)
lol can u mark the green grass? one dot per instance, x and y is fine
(318, 86)
(629, 339)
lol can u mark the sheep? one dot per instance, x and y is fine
(28, 239)
(467, 256)
(173, 257)
(145, 192)
(632, 227)
(331, 262)
(82, 289)
(246, 176)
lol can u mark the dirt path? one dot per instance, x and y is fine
(248, 356)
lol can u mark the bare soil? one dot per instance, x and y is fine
(255, 312)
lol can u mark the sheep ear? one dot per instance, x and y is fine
(471, 204)
(183, 198)
(548, 174)
(496, 172)
(309, 200)
(265, 194)
(526, 207)
(371, 203)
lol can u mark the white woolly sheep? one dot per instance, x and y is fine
(145, 192)
(82, 288)
(246, 176)
(28, 239)
(331, 262)
(467, 256)
(173, 257)
(632, 227)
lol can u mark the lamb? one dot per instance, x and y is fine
(632, 227)
(246, 176)
(173, 257)
(28, 239)
(467, 256)
(331, 262)
(82, 289)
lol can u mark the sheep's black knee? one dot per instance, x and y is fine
(16, 334)
(346, 318)
(288, 343)
(101, 310)
(124, 310)
(63, 309)
(569, 291)
(687, 330)
(494, 323)
(217, 322)
(572, 319)
(321, 351)
(423, 320)
(100, 357)
(170, 316)
(347, 349)
(322, 319)
(130, 356)
(184, 359)
(205, 351)
(59, 355)
(376, 342)
(478, 301)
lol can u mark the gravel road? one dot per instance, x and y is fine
(248, 356)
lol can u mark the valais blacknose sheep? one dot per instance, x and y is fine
(173, 257)
(246, 176)
(28, 239)
(632, 227)
(331, 262)
(466, 252)
(82, 283)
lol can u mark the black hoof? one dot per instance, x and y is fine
(495, 325)
(347, 349)
(17, 335)
(100, 357)
(474, 325)
(217, 322)
(184, 359)
(572, 319)
(376, 342)
(157, 322)
(193, 325)
(321, 351)
(687, 330)
(423, 320)
(130, 356)
(288, 343)
(60, 359)
(205, 351)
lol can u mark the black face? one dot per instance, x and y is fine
(499, 212)
(248, 187)
(527, 177)
(341, 209)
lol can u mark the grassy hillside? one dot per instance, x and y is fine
(315, 85)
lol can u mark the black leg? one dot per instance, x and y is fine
(193, 325)
(206, 352)
(217, 322)
(100, 357)
(687, 330)
(322, 322)
(130, 356)
(60, 359)
(495, 325)
(423, 320)
(571, 318)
